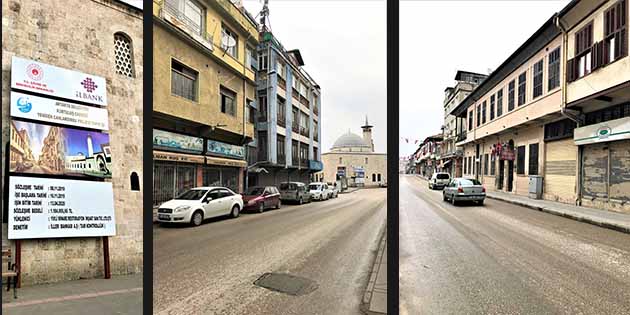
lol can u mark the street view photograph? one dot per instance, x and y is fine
(269, 162)
(514, 162)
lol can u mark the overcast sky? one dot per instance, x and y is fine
(437, 38)
(343, 44)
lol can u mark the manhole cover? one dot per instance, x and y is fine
(286, 283)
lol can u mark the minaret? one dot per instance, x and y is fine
(89, 145)
(367, 134)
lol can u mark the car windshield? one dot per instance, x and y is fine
(469, 182)
(193, 194)
(314, 187)
(287, 186)
(255, 191)
(442, 176)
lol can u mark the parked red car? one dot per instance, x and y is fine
(261, 198)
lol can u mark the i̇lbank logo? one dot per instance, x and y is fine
(90, 86)
(35, 72)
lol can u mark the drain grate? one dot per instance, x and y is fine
(286, 283)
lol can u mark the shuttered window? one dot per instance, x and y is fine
(500, 102)
(538, 79)
(478, 115)
(520, 160)
(533, 159)
(183, 81)
(492, 107)
(522, 86)
(485, 164)
(493, 165)
(559, 130)
(615, 44)
(581, 64)
(483, 112)
(554, 69)
(511, 94)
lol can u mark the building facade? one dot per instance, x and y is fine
(557, 109)
(353, 161)
(286, 146)
(104, 40)
(451, 157)
(427, 157)
(204, 96)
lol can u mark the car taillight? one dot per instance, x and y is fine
(460, 190)
(483, 189)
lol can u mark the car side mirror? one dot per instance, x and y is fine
(207, 200)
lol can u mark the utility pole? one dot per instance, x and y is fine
(264, 17)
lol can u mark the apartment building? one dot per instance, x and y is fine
(204, 96)
(428, 155)
(597, 98)
(557, 108)
(288, 122)
(450, 160)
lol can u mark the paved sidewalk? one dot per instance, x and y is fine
(608, 219)
(118, 295)
(375, 297)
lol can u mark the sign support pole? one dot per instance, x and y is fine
(108, 272)
(18, 261)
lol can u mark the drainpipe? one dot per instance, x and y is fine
(563, 108)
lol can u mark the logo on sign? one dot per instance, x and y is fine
(89, 85)
(24, 105)
(35, 72)
(603, 132)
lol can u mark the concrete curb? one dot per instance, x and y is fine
(573, 216)
(377, 306)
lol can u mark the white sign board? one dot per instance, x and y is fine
(49, 208)
(60, 112)
(612, 130)
(37, 77)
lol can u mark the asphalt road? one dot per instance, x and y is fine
(211, 269)
(505, 259)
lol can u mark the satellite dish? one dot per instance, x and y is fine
(228, 41)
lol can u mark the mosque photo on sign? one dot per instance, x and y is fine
(43, 149)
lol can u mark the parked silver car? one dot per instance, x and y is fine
(295, 192)
(464, 189)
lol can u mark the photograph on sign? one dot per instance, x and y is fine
(225, 149)
(43, 149)
(33, 76)
(45, 109)
(178, 142)
(46, 207)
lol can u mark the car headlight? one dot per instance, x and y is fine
(181, 209)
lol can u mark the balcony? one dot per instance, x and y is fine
(304, 131)
(295, 128)
(304, 101)
(461, 136)
(177, 18)
(282, 122)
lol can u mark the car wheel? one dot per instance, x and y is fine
(279, 204)
(197, 218)
(480, 202)
(261, 208)
(300, 201)
(236, 211)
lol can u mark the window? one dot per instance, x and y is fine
(262, 103)
(483, 112)
(183, 81)
(478, 115)
(294, 152)
(470, 166)
(280, 149)
(485, 164)
(188, 12)
(340, 160)
(379, 177)
(522, 80)
(373, 177)
(559, 130)
(228, 101)
(250, 58)
(282, 110)
(538, 79)
(304, 152)
(500, 102)
(470, 120)
(492, 107)
(366, 160)
(493, 165)
(465, 169)
(615, 38)
(315, 154)
(554, 69)
(263, 61)
(609, 113)
(520, 160)
(304, 126)
(315, 131)
(251, 111)
(282, 71)
(229, 36)
(533, 159)
(583, 44)
(296, 119)
(511, 95)
(123, 54)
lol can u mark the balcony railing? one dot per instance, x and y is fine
(282, 122)
(304, 131)
(295, 128)
(315, 111)
(304, 101)
(461, 137)
(282, 159)
(178, 18)
(282, 83)
(295, 161)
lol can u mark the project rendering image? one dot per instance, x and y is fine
(247, 202)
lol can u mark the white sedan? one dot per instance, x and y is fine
(198, 204)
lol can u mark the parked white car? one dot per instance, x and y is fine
(198, 204)
(320, 191)
(439, 180)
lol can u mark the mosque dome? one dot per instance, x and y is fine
(350, 140)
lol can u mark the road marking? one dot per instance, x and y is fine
(68, 298)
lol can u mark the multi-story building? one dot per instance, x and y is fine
(204, 74)
(288, 124)
(428, 155)
(451, 157)
(521, 121)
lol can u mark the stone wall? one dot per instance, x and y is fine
(79, 35)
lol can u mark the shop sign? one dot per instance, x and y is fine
(225, 162)
(612, 130)
(59, 112)
(51, 208)
(33, 76)
(359, 172)
(341, 171)
(174, 141)
(225, 149)
(507, 155)
(175, 157)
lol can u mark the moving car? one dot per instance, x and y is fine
(198, 204)
(439, 180)
(261, 198)
(464, 189)
(295, 192)
(320, 191)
